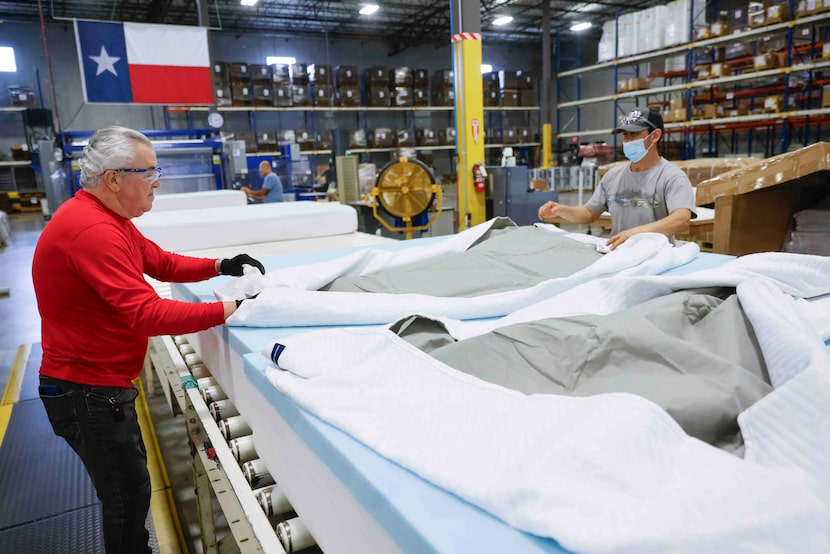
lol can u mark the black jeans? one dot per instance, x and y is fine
(112, 451)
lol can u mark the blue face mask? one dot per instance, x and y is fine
(635, 150)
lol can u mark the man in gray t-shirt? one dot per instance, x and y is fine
(648, 195)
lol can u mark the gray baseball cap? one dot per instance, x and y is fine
(639, 119)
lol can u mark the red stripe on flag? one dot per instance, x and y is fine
(164, 84)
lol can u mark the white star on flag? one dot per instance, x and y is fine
(105, 62)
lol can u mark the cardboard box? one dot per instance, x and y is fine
(510, 97)
(765, 61)
(443, 77)
(402, 96)
(420, 78)
(406, 137)
(345, 75)
(777, 13)
(222, 95)
(444, 96)
(492, 98)
(260, 73)
(281, 74)
(825, 96)
(382, 137)
(281, 95)
(319, 74)
(378, 97)
(299, 74)
(719, 28)
(756, 14)
(241, 96)
(262, 95)
(754, 205)
(322, 95)
(357, 139)
(526, 80)
(347, 96)
(508, 79)
(299, 95)
(377, 75)
(678, 103)
(401, 77)
(741, 109)
(446, 136)
(720, 70)
(699, 170)
(420, 96)
(774, 104)
(221, 73)
(426, 137)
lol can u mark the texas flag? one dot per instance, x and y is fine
(144, 64)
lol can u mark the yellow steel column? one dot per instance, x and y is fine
(547, 147)
(465, 22)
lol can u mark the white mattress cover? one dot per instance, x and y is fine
(289, 297)
(183, 230)
(609, 473)
(198, 200)
(434, 520)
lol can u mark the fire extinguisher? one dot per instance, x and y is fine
(479, 173)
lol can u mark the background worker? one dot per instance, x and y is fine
(271, 190)
(97, 313)
(648, 195)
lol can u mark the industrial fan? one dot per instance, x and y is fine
(406, 190)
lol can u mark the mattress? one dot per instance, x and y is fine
(198, 200)
(350, 497)
(195, 229)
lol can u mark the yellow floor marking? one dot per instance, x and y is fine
(11, 394)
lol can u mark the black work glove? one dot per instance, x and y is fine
(240, 300)
(233, 266)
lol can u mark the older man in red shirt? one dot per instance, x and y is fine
(97, 313)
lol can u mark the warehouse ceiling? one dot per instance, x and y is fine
(401, 23)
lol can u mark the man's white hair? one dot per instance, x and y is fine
(109, 148)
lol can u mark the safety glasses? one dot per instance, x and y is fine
(149, 175)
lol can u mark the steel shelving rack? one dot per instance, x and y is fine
(806, 120)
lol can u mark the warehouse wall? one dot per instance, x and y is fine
(27, 42)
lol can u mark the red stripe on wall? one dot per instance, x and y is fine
(164, 84)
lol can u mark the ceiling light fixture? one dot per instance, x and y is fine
(271, 60)
(369, 9)
(486, 68)
(503, 20)
(581, 26)
(248, 2)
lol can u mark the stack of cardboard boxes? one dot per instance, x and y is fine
(443, 93)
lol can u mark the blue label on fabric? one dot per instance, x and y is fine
(276, 351)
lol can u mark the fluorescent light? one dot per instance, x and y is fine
(271, 60)
(248, 2)
(486, 68)
(7, 59)
(368, 9)
(503, 20)
(581, 26)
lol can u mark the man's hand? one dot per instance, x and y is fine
(550, 210)
(233, 266)
(619, 238)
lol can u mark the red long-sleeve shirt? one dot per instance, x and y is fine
(96, 308)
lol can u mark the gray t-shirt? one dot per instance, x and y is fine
(637, 198)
